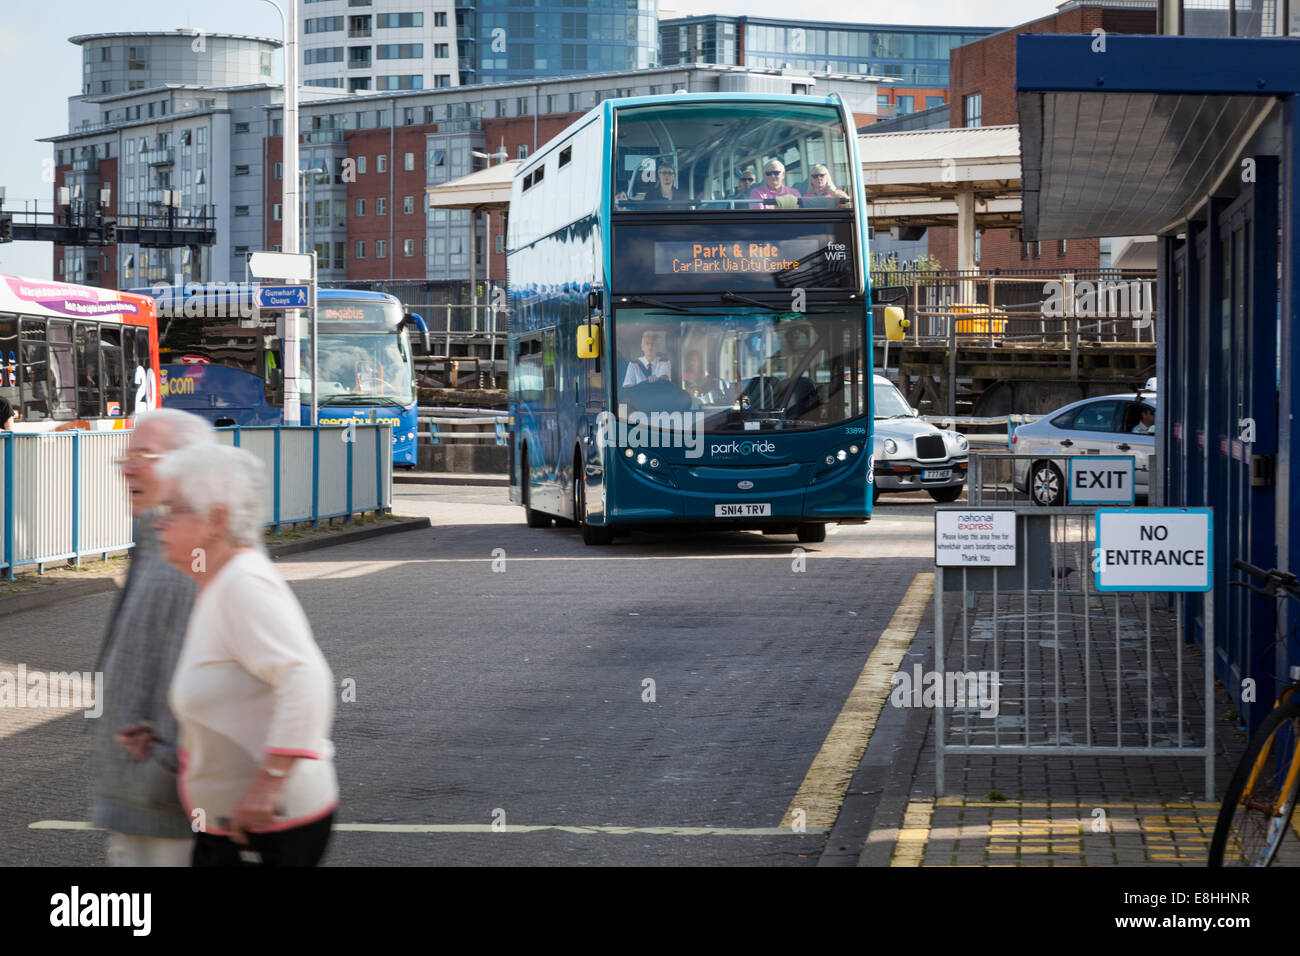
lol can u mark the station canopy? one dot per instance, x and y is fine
(913, 178)
(1132, 137)
(486, 188)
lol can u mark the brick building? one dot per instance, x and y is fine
(983, 88)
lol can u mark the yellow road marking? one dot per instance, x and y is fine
(823, 788)
(510, 828)
(910, 848)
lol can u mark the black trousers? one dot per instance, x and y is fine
(299, 846)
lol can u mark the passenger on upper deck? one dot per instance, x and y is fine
(666, 187)
(774, 187)
(745, 179)
(819, 184)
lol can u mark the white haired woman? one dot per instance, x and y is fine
(252, 693)
(820, 184)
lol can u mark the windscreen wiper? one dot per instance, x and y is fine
(657, 303)
(733, 297)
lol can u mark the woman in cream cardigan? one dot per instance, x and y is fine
(252, 694)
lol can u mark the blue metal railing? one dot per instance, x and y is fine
(65, 499)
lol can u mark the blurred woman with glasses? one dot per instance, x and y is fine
(252, 693)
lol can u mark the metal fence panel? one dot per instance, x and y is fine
(43, 501)
(1078, 672)
(105, 512)
(333, 453)
(296, 445)
(64, 496)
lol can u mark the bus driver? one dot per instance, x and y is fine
(653, 365)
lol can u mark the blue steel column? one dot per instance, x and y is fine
(1166, 321)
(10, 450)
(1260, 404)
(315, 475)
(1288, 490)
(275, 483)
(351, 445)
(76, 496)
(1211, 323)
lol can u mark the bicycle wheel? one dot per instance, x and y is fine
(1257, 806)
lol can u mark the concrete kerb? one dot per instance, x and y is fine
(480, 479)
(60, 591)
(887, 822)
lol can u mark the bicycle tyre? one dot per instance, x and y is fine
(1253, 832)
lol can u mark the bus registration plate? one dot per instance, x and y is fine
(745, 509)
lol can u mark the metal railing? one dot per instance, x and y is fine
(1062, 308)
(446, 424)
(65, 499)
(1074, 671)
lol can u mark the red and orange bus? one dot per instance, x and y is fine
(74, 356)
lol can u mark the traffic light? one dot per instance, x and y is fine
(895, 325)
(110, 232)
(6, 228)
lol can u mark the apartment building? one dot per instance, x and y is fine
(365, 157)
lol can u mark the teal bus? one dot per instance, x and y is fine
(689, 335)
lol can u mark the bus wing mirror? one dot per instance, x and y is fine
(415, 320)
(895, 324)
(589, 341)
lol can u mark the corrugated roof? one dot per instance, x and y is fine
(978, 142)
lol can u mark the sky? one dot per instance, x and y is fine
(40, 69)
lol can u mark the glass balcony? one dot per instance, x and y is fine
(159, 157)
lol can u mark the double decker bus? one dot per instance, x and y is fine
(74, 356)
(689, 330)
(222, 357)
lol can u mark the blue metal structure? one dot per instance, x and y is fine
(224, 375)
(1195, 140)
(73, 505)
(585, 262)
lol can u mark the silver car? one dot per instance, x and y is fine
(1104, 425)
(912, 455)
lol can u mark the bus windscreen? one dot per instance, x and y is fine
(750, 373)
(731, 156)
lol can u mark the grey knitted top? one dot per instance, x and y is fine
(144, 638)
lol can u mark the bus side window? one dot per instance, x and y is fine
(90, 403)
(142, 361)
(9, 361)
(110, 354)
(34, 370)
(62, 380)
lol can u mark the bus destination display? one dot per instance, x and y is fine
(675, 258)
(734, 257)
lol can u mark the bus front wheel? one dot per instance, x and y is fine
(591, 534)
(811, 533)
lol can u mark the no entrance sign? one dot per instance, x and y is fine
(1154, 549)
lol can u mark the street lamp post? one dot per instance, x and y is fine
(290, 200)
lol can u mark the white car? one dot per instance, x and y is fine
(913, 455)
(1104, 425)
